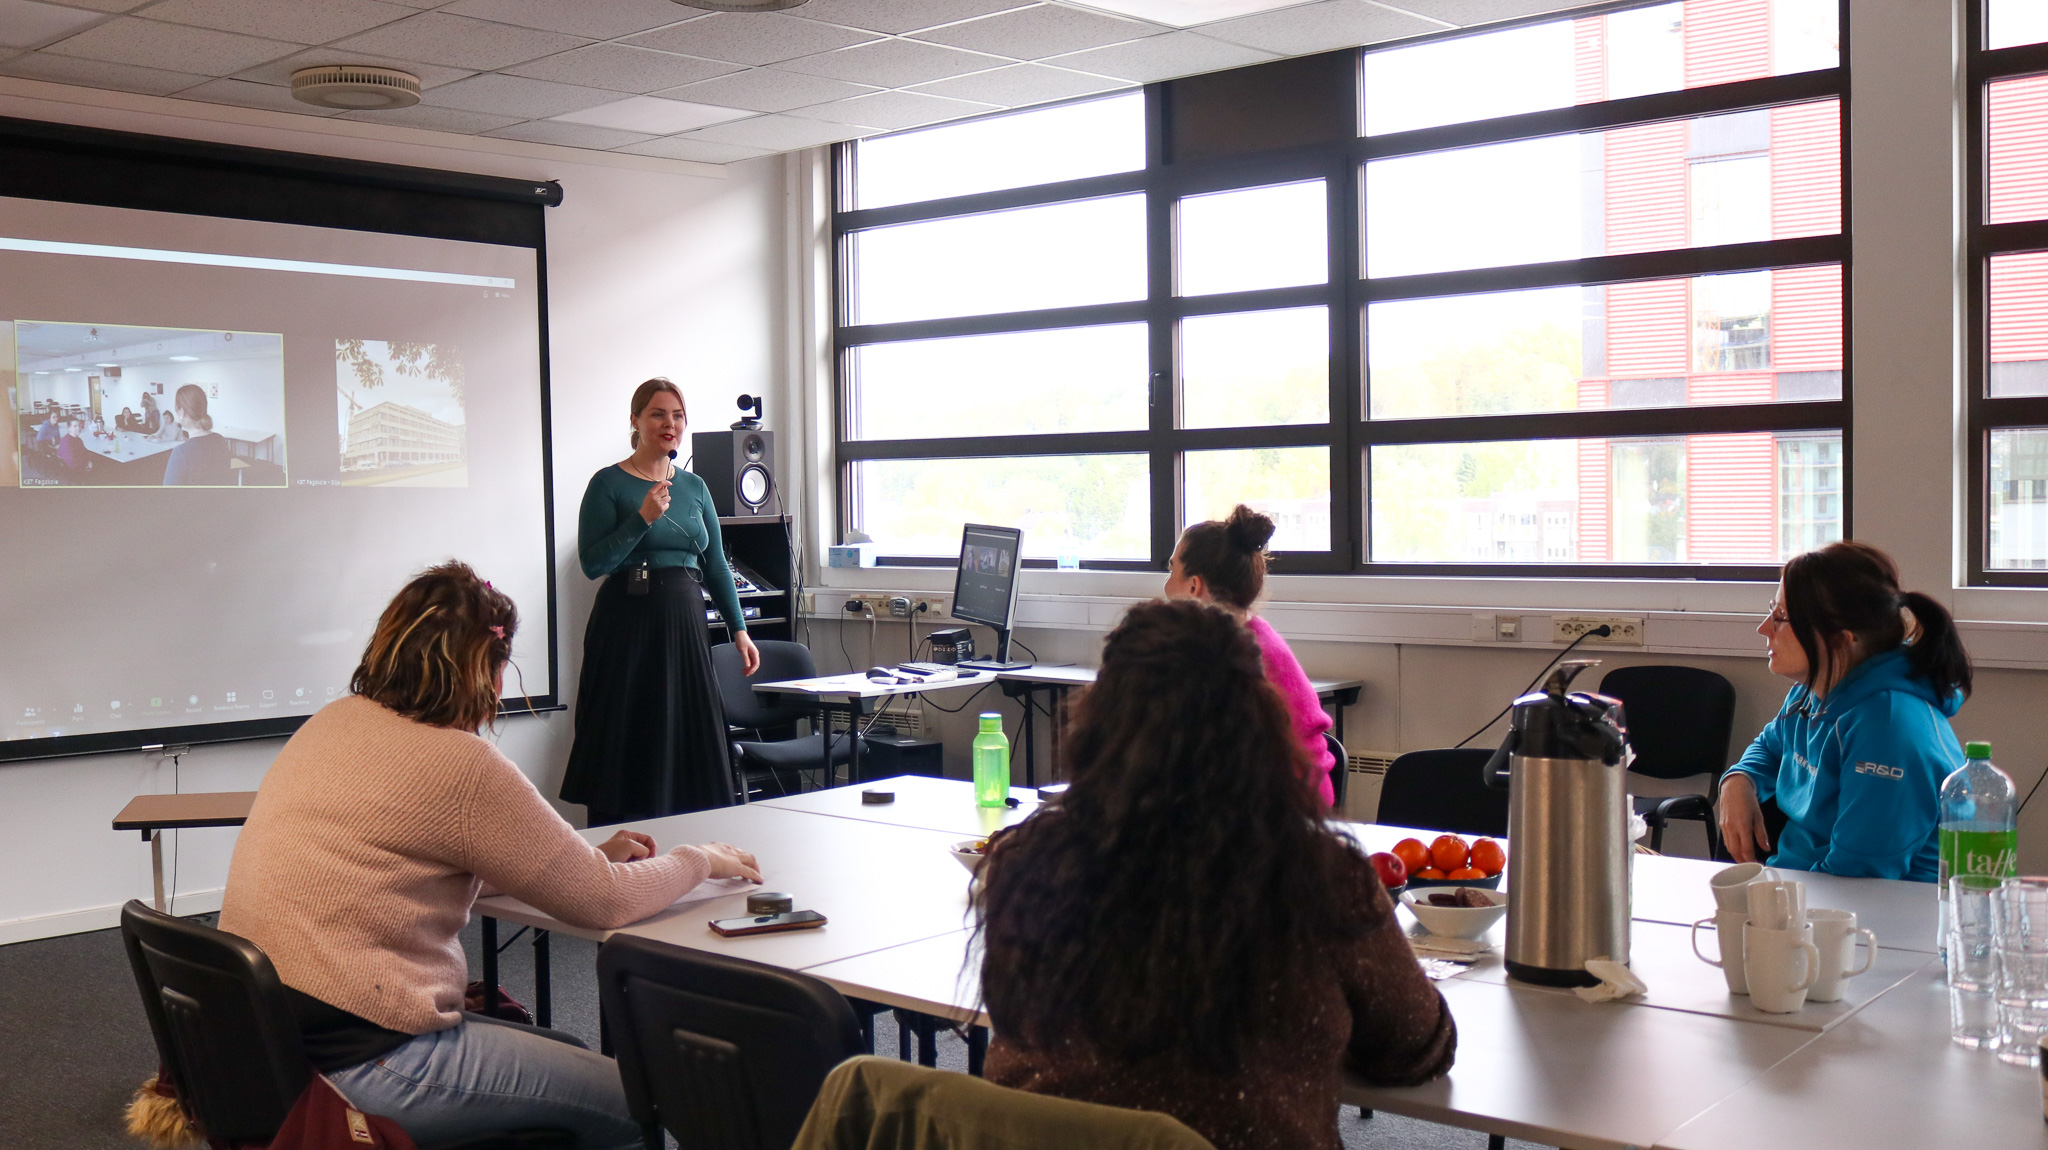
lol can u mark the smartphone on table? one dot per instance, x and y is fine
(767, 923)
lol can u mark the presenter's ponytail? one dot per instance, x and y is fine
(1229, 555)
(1853, 588)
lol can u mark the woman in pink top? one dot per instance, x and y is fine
(378, 826)
(1224, 562)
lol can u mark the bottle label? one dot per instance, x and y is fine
(1994, 853)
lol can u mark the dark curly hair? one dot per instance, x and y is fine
(1229, 555)
(439, 648)
(1186, 873)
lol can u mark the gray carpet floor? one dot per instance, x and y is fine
(74, 1045)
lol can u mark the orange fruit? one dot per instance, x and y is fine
(1429, 872)
(1488, 857)
(1466, 874)
(1449, 852)
(1412, 854)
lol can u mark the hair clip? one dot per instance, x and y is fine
(497, 630)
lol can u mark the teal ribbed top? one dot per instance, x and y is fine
(611, 536)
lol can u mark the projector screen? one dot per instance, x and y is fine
(231, 441)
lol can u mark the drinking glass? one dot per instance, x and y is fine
(1972, 963)
(2019, 922)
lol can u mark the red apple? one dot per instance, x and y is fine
(1393, 872)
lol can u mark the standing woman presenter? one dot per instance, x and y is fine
(650, 731)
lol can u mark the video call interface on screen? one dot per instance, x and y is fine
(988, 558)
(374, 407)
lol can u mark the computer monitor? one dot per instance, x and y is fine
(986, 590)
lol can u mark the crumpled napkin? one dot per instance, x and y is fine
(1616, 981)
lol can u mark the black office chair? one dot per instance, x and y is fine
(226, 1035)
(723, 1053)
(773, 766)
(1679, 722)
(1443, 790)
(1340, 770)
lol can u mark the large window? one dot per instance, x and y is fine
(1560, 297)
(2008, 396)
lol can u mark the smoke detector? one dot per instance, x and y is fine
(355, 87)
(743, 5)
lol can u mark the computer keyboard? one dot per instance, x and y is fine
(930, 672)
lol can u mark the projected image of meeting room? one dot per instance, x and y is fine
(402, 420)
(101, 405)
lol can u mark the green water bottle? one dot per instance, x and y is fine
(991, 763)
(1978, 826)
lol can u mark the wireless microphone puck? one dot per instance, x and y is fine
(876, 798)
(769, 902)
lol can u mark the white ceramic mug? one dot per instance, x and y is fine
(1728, 926)
(1777, 905)
(1834, 934)
(1780, 965)
(1729, 884)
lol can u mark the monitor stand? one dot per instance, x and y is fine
(1002, 660)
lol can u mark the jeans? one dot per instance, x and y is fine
(482, 1076)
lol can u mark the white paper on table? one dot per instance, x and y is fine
(712, 888)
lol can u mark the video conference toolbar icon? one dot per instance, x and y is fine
(231, 696)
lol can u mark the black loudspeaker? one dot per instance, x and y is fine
(739, 468)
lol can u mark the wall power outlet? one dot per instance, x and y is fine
(1627, 629)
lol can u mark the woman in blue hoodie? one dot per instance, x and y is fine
(1856, 756)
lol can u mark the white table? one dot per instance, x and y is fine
(1687, 1068)
(923, 803)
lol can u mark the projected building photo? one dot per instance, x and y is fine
(103, 405)
(401, 414)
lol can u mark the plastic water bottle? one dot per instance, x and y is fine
(1978, 827)
(992, 763)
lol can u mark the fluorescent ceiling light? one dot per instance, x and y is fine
(652, 114)
(106, 365)
(259, 263)
(1188, 13)
(74, 369)
(184, 359)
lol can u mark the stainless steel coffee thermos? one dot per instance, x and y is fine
(1568, 877)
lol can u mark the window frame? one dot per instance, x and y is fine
(1349, 434)
(1985, 240)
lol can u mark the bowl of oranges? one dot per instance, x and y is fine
(1449, 860)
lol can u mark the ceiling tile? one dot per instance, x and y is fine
(434, 119)
(107, 5)
(460, 42)
(750, 37)
(897, 16)
(515, 96)
(597, 19)
(653, 115)
(280, 71)
(243, 94)
(1464, 12)
(1319, 27)
(292, 20)
(619, 68)
(1021, 84)
(98, 74)
(777, 133)
(27, 24)
(767, 90)
(1163, 58)
(894, 110)
(894, 63)
(702, 151)
(171, 47)
(1188, 13)
(569, 135)
(1040, 31)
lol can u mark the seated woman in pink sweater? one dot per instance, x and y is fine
(1224, 562)
(375, 830)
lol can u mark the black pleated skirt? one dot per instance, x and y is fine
(650, 730)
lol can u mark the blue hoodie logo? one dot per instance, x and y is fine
(1880, 770)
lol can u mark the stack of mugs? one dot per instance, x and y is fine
(1773, 948)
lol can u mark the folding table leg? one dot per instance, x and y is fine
(543, 984)
(156, 864)
(977, 1049)
(1496, 1142)
(489, 927)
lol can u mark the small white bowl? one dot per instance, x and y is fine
(966, 857)
(1467, 922)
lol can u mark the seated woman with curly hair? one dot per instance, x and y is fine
(1182, 933)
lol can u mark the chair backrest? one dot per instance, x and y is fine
(1443, 790)
(1340, 770)
(223, 1026)
(723, 1053)
(1679, 718)
(871, 1101)
(779, 660)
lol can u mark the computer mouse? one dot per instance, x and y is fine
(881, 673)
